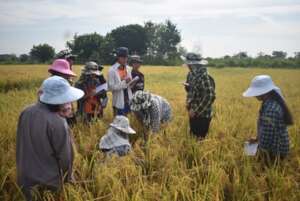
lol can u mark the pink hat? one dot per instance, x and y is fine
(61, 66)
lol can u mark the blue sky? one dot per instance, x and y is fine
(214, 28)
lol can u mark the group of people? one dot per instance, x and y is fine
(44, 142)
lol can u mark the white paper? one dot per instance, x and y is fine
(250, 148)
(134, 80)
(101, 88)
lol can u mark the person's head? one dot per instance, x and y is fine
(122, 55)
(141, 101)
(67, 55)
(121, 123)
(91, 69)
(61, 68)
(135, 62)
(193, 60)
(263, 88)
(56, 91)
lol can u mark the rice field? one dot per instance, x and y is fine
(171, 165)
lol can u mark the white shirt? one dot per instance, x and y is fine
(116, 86)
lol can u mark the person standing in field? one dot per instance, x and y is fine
(152, 110)
(44, 153)
(93, 103)
(274, 118)
(135, 63)
(116, 140)
(119, 78)
(68, 56)
(200, 88)
(61, 68)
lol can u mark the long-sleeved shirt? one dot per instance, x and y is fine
(118, 86)
(200, 92)
(159, 112)
(44, 148)
(272, 131)
(140, 84)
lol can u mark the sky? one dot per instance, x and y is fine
(213, 28)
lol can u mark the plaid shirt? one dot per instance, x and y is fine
(272, 131)
(160, 112)
(200, 92)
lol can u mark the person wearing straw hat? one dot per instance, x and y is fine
(119, 79)
(274, 118)
(93, 103)
(200, 88)
(152, 110)
(135, 63)
(44, 153)
(116, 140)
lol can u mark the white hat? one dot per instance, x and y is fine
(122, 123)
(57, 90)
(261, 85)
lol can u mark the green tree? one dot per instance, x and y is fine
(131, 36)
(42, 53)
(86, 46)
(279, 54)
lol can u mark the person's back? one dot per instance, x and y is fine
(43, 148)
(272, 131)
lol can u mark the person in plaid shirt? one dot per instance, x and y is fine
(274, 117)
(200, 88)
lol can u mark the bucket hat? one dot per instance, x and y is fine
(193, 58)
(261, 85)
(122, 123)
(61, 66)
(91, 68)
(57, 90)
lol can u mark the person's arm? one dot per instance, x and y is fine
(61, 143)
(155, 117)
(207, 100)
(114, 84)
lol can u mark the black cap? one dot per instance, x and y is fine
(122, 52)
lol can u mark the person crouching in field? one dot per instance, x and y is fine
(274, 118)
(116, 140)
(61, 68)
(44, 153)
(93, 103)
(135, 63)
(119, 78)
(152, 110)
(200, 88)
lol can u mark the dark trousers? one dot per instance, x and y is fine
(199, 126)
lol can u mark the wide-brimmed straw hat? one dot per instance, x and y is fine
(193, 58)
(57, 90)
(261, 85)
(122, 123)
(61, 66)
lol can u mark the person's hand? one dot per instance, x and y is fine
(192, 114)
(252, 140)
(66, 111)
(128, 79)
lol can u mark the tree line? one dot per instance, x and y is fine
(157, 43)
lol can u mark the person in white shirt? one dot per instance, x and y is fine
(119, 78)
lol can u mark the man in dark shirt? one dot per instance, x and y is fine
(135, 63)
